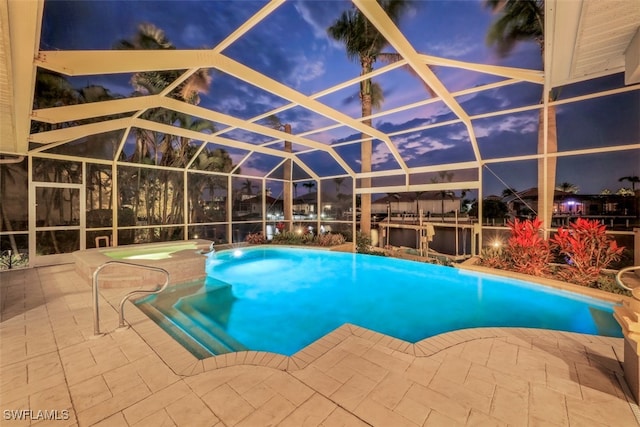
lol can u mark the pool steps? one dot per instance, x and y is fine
(605, 323)
(174, 317)
(213, 331)
(176, 332)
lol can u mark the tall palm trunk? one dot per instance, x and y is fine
(546, 192)
(288, 201)
(366, 148)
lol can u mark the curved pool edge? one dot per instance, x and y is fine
(353, 338)
(471, 265)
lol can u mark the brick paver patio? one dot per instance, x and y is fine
(490, 376)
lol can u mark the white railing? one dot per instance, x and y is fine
(619, 277)
(122, 324)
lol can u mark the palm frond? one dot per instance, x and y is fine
(390, 58)
(519, 21)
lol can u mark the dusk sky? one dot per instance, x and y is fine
(292, 46)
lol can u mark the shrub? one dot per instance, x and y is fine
(494, 258)
(330, 239)
(608, 283)
(347, 234)
(10, 259)
(287, 238)
(362, 243)
(587, 250)
(255, 239)
(527, 252)
(293, 238)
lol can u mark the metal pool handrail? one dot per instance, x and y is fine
(96, 314)
(619, 277)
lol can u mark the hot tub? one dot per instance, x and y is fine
(183, 260)
(150, 252)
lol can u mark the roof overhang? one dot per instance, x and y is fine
(593, 38)
(20, 23)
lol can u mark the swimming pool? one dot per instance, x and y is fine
(282, 299)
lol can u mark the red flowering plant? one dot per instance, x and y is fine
(587, 250)
(527, 252)
(255, 239)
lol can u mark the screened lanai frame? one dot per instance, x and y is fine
(74, 63)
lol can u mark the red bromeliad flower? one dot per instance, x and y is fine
(584, 245)
(587, 250)
(527, 251)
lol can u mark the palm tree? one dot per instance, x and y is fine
(632, 179)
(149, 37)
(444, 177)
(522, 20)
(309, 186)
(418, 195)
(338, 182)
(568, 187)
(365, 44)
(247, 187)
(52, 90)
(164, 189)
(217, 160)
(274, 122)
(509, 191)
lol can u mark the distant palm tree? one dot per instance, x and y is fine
(247, 187)
(509, 191)
(309, 186)
(568, 187)
(274, 122)
(418, 195)
(217, 160)
(444, 177)
(625, 192)
(522, 20)
(365, 44)
(632, 179)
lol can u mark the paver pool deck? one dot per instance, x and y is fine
(49, 361)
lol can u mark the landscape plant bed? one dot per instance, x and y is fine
(298, 239)
(578, 254)
(609, 292)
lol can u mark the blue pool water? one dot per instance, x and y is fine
(282, 299)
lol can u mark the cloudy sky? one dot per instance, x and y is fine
(292, 46)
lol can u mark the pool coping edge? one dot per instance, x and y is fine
(183, 363)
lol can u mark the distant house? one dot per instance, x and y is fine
(307, 204)
(431, 202)
(253, 206)
(525, 203)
